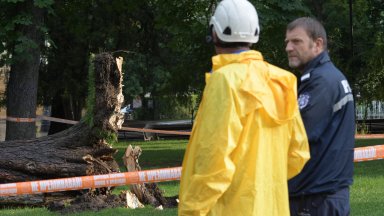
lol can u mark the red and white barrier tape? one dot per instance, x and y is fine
(369, 136)
(87, 182)
(123, 128)
(369, 153)
(57, 120)
(14, 119)
(40, 117)
(155, 131)
(118, 179)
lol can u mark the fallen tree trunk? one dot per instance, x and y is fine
(81, 150)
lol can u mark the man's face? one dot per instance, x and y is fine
(300, 48)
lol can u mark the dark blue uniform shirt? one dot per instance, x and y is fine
(327, 109)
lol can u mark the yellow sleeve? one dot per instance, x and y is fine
(298, 153)
(207, 166)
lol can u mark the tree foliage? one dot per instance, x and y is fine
(274, 16)
(163, 43)
(22, 37)
(358, 52)
(371, 51)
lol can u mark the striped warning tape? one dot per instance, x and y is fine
(18, 119)
(53, 119)
(56, 119)
(48, 118)
(14, 119)
(87, 182)
(118, 179)
(123, 128)
(39, 117)
(155, 131)
(369, 153)
(369, 136)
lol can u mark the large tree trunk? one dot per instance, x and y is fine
(22, 86)
(78, 151)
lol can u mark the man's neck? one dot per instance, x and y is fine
(304, 68)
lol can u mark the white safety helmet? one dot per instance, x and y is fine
(236, 21)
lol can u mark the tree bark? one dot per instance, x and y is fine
(22, 86)
(81, 150)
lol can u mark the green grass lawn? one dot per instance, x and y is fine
(367, 193)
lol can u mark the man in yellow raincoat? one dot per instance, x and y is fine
(248, 138)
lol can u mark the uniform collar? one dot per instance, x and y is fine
(322, 58)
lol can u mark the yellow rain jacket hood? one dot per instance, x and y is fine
(248, 139)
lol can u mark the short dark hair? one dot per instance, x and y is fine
(223, 44)
(312, 26)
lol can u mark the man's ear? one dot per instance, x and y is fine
(319, 43)
(214, 37)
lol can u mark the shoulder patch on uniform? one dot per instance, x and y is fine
(303, 100)
(305, 77)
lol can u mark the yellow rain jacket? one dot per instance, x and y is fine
(247, 141)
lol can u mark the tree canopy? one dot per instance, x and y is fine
(163, 42)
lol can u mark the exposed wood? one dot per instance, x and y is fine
(78, 151)
(132, 200)
(148, 193)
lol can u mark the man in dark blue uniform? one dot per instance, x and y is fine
(327, 108)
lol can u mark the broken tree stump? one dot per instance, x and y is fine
(147, 193)
(83, 149)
